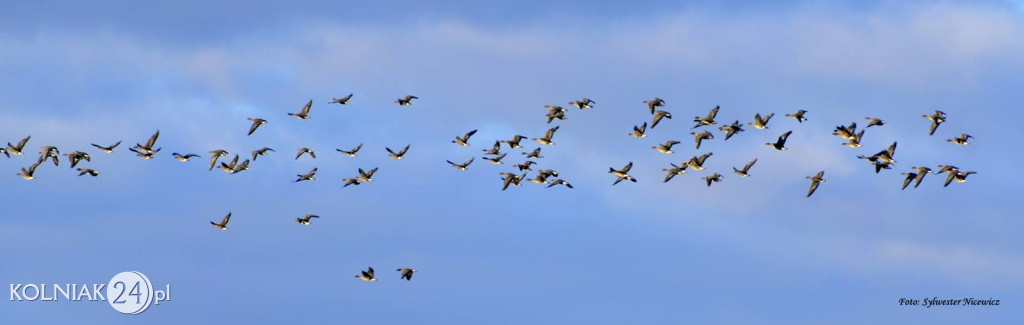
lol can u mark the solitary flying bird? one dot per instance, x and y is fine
(406, 273)
(342, 101)
(310, 176)
(961, 140)
(938, 118)
(666, 147)
(817, 179)
(622, 174)
(304, 113)
(533, 154)
(462, 166)
(109, 149)
(715, 178)
(223, 225)
(514, 143)
(464, 140)
(699, 137)
(406, 101)
(731, 129)
(546, 140)
(874, 121)
(351, 153)
(17, 149)
(761, 123)
(216, 155)
(260, 152)
(697, 163)
(638, 131)
(148, 148)
(305, 219)
(583, 103)
(746, 169)
(781, 143)
(256, 122)
(29, 174)
(185, 157)
(906, 181)
(366, 275)
(798, 116)
(656, 102)
(658, 115)
(397, 155)
(367, 176)
(495, 150)
(305, 150)
(90, 172)
(672, 172)
(496, 160)
(707, 120)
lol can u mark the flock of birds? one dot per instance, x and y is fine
(882, 160)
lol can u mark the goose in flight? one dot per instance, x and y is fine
(496, 160)
(731, 129)
(144, 154)
(937, 118)
(29, 174)
(622, 174)
(495, 150)
(17, 149)
(909, 177)
(464, 140)
(260, 152)
(540, 179)
(463, 166)
(223, 225)
(714, 178)
(666, 147)
(555, 113)
(846, 132)
(546, 140)
(877, 162)
(256, 122)
(351, 181)
(342, 101)
(583, 103)
(366, 176)
(310, 176)
(406, 273)
(366, 275)
(559, 182)
(638, 131)
(240, 167)
(817, 179)
(746, 169)
(533, 154)
(658, 115)
(514, 143)
(229, 168)
(406, 101)
(399, 154)
(304, 113)
(305, 219)
(699, 137)
(874, 121)
(185, 157)
(706, 120)
(961, 140)
(76, 156)
(656, 102)
(109, 149)
(921, 172)
(855, 141)
(4, 151)
(304, 150)
(216, 154)
(525, 166)
(548, 172)
(697, 163)
(50, 152)
(798, 116)
(90, 172)
(958, 176)
(148, 148)
(759, 122)
(781, 143)
(511, 179)
(351, 153)
(672, 172)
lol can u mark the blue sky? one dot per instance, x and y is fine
(742, 251)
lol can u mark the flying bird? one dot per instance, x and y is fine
(229, 167)
(746, 169)
(342, 101)
(583, 103)
(495, 150)
(351, 181)
(463, 166)
(17, 149)
(546, 140)
(398, 155)
(715, 178)
(672, 172)
(406, 273)
(846, 132)
(937, 118)
(216, 155)
(366, 275)
(514, 143)
(29, 174)
(706, 120)
(223, 225)
(656, 102)
(855, 141)
(50, 152)
(496, 160)
(559, 182)
(874, 121)
(731, 129)
(921, 172)
(666, 147)
(817, 179)
(260, 152)
(305, 219)
(525, 166)
(464, 140)
(90, 172)
(351, 153)
(256, 122)
(658, 115)
(144, 154)
(909, 177)
(304, 113)
(798, 116)
(309, 176)
(622, 174)
(511, 179)
(960, 140)
(366, 176)
(638, 131)
(958, 176)
(406, 101)
(533, 154)
(148, 148)
(76, 156)
(781, 143)
(699, 137)
(304, 150)
(759, 122)
(555, 113)
(184, 158)
(697, 163)
(109, 149)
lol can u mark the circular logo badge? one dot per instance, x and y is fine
(130, 292)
